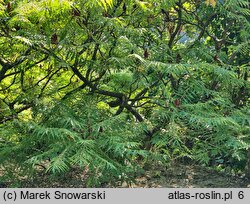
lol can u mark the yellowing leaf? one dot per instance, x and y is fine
(109, 2)
(187, 5)
(105, 3)
(211, 2)
(142, 5)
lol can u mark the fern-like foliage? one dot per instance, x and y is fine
(81, 136)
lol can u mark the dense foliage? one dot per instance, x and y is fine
(107, 85)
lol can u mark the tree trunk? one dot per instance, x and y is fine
(248, 165)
